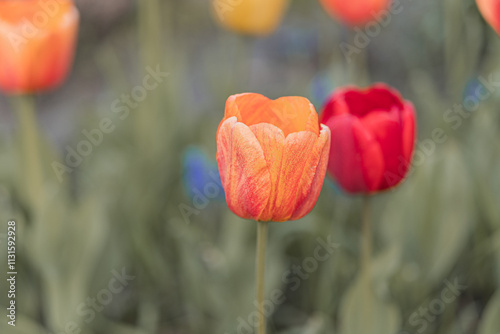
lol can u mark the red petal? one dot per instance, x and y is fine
(356, 160)
(387, 131)
(409, 132)
(355, 12)
(490, 9)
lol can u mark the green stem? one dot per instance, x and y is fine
(262, 228)
(450, 51)
(358, 66)
(150, 37)
(31, 164)
(366, 237)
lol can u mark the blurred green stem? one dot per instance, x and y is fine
(151, 53)
(453, 66)
(366, 236)
(31, 165)
(358, 64)
(262, 228)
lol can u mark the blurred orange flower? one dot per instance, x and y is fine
(490, 9)
(253, 17)
(355, 12)
(272, 156)
(37, 42)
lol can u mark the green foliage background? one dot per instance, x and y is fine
(195, 274)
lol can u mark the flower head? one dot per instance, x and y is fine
(37, 41)
(252, 17)
(373, 137)
(201, 175)
(355, 12)
(272, 156)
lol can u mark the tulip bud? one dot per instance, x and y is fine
(272, 156)
(253, 17)
(355, 12)
(37, 42)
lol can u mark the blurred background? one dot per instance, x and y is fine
(136, 236)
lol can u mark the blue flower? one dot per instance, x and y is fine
(201, 175)
(474, 92)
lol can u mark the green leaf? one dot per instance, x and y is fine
(385, 265)
(452, 225)
(490, 323)
(432, 230)
(362, 311)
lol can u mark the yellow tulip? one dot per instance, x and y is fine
(252, 17)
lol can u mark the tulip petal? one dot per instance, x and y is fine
(9, 79)
(244, 172)
(408, 121)
(57, 58)
(360, 164)
(272, 141)
(246, 101)
(295, 114)
(313, 175)
(256, 17)
(36, 58)
(386, 129)
(335, 106)
(290, 114)
(373, 133)
(362, 102)
(298, 146)
(355, 12)
(490, 9)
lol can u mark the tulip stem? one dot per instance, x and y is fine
(366, 236)
(30, 151)
(151, 53)
(262, 228)
(358, 70)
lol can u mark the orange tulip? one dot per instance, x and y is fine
(253, 17)
(272, 156)
(37, 41)
(490, 9)
(355, 12)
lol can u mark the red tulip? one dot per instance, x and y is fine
(490, 9)
(272, 156)
(373, 137)
(355, 12)
(37, 41)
